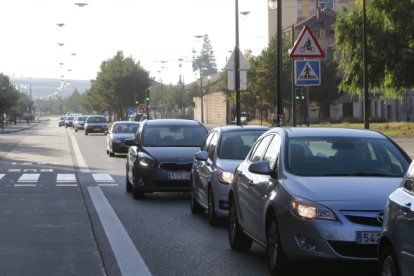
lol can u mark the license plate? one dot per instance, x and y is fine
(367, 237)
(179, 176)
(97, 129)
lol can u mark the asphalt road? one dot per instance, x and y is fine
(77, 219)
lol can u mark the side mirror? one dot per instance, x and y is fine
(201, 155)
(260, 167)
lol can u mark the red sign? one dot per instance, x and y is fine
(306, 46)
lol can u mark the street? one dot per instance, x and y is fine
(65, 211)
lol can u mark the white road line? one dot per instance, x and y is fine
(29, 177)
(78, 155)
(14, 170)
(2, 175)
(102, 177)
(24, 185)
(46, 170)
(65, 178)
(129, 260)
(108, 184)
(66, 185)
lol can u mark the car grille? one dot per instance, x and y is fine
(351, 249)
(176, 167)
(370, 218)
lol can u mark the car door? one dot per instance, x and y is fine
(249, 186)
(206, 168)
(402, 208)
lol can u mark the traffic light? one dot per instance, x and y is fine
(147, 98)
(136, 101)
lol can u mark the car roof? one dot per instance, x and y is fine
(238, 128)
(163, 122)
(331, 131)
(126, 122)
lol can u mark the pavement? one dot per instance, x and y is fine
(17, 127)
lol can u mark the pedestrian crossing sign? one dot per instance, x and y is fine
(307, 73)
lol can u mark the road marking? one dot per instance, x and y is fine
(66, 185)
(30, 170)
(14, 170)
(107, 184)
(2, 175)
(46, 170)
(65, 178)
(24, 185)
(78, 155)
(102, 177)
(129, 260)
(29, 177)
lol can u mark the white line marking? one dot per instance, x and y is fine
(66, 185)
(14, 170)
(24, 185)
(2, 175)
(108, 184)
(30, 170)
(78, 155)
(65, 177)
(129, 260)
(46, 170)
(29, 177)
(102, 177)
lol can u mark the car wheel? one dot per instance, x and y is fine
(237, 238)
(275, 256)
(196, 208)
(211, 213)
(76, 130)
(388, 262)
(137, 194)
(128, 184)
(86, 133)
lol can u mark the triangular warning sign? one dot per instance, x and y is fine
(308, 73)
(306, 45)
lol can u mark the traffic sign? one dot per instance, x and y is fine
(231, 64)
(142, 108)
(307, 73)
(306, 46)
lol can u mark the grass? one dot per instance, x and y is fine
(391, 129)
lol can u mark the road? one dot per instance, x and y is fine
(65, 211)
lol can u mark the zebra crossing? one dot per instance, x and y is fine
(39, 177)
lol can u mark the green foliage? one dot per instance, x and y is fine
(390, 46)
(206, 59)
(9, 95)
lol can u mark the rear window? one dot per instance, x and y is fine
(236, 145)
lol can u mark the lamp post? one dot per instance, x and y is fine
(237, 66)
(277, 4)
(200, 65)
(365, 74)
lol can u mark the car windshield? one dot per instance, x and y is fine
(96, 120)
(344, 157)
(125, 128)
(173, 136)
(236, 145)
(80, 119)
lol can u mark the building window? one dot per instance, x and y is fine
(327, 4)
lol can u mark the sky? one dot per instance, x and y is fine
(149, 31)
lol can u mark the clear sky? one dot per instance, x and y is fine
(150, 31)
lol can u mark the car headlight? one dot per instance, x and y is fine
(310, 210)
(225, 176)
(145, 160)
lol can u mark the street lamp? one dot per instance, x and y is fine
(277, 4)
(365, 73)
(200, 65)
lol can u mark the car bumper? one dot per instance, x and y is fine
(96, 130)
(119, 148)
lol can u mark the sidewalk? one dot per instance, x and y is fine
(17, 127)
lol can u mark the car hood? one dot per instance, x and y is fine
(228, 164)
(123, 135)
(325, 189)
(173, 154)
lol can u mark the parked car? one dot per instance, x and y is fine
(62, 121)
(212, 172)
(96, 124)
(161, 155)
(314, 193)
(396, 246)
(79, 122)
(69, 121)
(117, 134)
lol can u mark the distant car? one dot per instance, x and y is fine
(96, 124)
(396, 246)
(69, 121)
(314, 193)
(79, 122)
(161, 155)
(119, 132)
(62, 121)
(139, 117)
(223, 149)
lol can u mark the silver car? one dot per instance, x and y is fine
(116, 136)
(79, 122)
(96, 124)
(396, 247)
(314, 193)
(212, 172)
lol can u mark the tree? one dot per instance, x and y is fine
(9, 96)
(390, 46)
(206, 59)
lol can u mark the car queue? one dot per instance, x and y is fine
(329, 194)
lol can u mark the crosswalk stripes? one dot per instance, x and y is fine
(28, 179)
